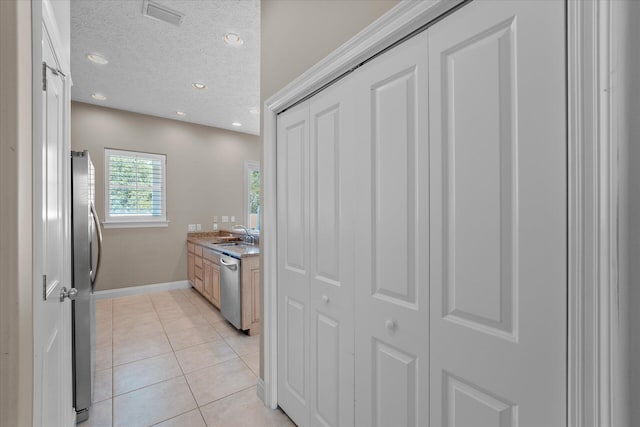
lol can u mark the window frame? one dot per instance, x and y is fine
(250, 165)
(135, 221)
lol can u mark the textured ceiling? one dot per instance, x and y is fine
(152, 64)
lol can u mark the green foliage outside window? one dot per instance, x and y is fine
(254, 191)
(134, 186)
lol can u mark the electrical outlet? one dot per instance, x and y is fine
(233, 219)
(192, 227)
(225, 218)
(215, 226)
(198, 227)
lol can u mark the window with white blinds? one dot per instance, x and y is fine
(135, 189)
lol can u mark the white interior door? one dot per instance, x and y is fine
(392, 239)
(52, 317)
(498, 215)
(293, 263)
(331, 202)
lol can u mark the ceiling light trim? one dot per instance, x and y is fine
(233, 39)
(97, 58)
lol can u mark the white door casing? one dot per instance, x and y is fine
(53, 404)
(392, 238)
(498, 215)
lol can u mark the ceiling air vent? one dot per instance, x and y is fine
(157, 11)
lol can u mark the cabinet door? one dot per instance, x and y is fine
(331, 206)
(254, 313)
(191, 268)
(498, 186)
(251, 294)
(392, 239)
(293, 262)
(207, 281)
(215, 285)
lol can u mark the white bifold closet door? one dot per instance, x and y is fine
(497, 100)
(315, 253)
(422, 231)
(392, 240)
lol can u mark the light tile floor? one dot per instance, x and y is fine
(170, 359)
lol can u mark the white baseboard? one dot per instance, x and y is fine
(260, 390)
(144, 289)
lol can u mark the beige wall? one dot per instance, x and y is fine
(297, 34)
(16, 325)
(205, 170)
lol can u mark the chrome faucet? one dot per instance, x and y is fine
(246, 232)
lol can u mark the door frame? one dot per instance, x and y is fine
(594, 378)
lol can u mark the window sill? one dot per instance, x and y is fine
(134, 224)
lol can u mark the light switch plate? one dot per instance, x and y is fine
(215, 218)
(192, 227)
(233, 219)
(198, 227)
(225, 218)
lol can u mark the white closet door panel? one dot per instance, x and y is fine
(293, 262)
(498, 215)
(392, 238)
(332, 205)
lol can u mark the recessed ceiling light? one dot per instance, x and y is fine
(254, 110)
(181, 113)
(238, 124)
(97, 58)
(98, 97)
(233, 39)
(199, 85)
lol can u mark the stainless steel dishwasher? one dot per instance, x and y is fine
(230, 290)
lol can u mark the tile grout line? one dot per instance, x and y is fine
(190, 298)
(224, 397)
(193, 396)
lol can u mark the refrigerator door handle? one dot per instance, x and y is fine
(96, 221)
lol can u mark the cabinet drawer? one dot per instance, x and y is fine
(198, 250)
(198, 272)
(191, 247)
(211, 256)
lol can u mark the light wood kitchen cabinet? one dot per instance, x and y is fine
(251, 294)
(194, 266)
(191, 267)
(203, 271)
(211, 283)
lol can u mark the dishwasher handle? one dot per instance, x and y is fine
(230, 265)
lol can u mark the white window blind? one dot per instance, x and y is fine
(135, 189)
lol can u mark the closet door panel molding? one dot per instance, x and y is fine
(498, 215)
(332, 203)
(392, 238)
(293, 263)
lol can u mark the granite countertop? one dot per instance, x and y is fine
(216, 241)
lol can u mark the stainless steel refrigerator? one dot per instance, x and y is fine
(87, 245)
